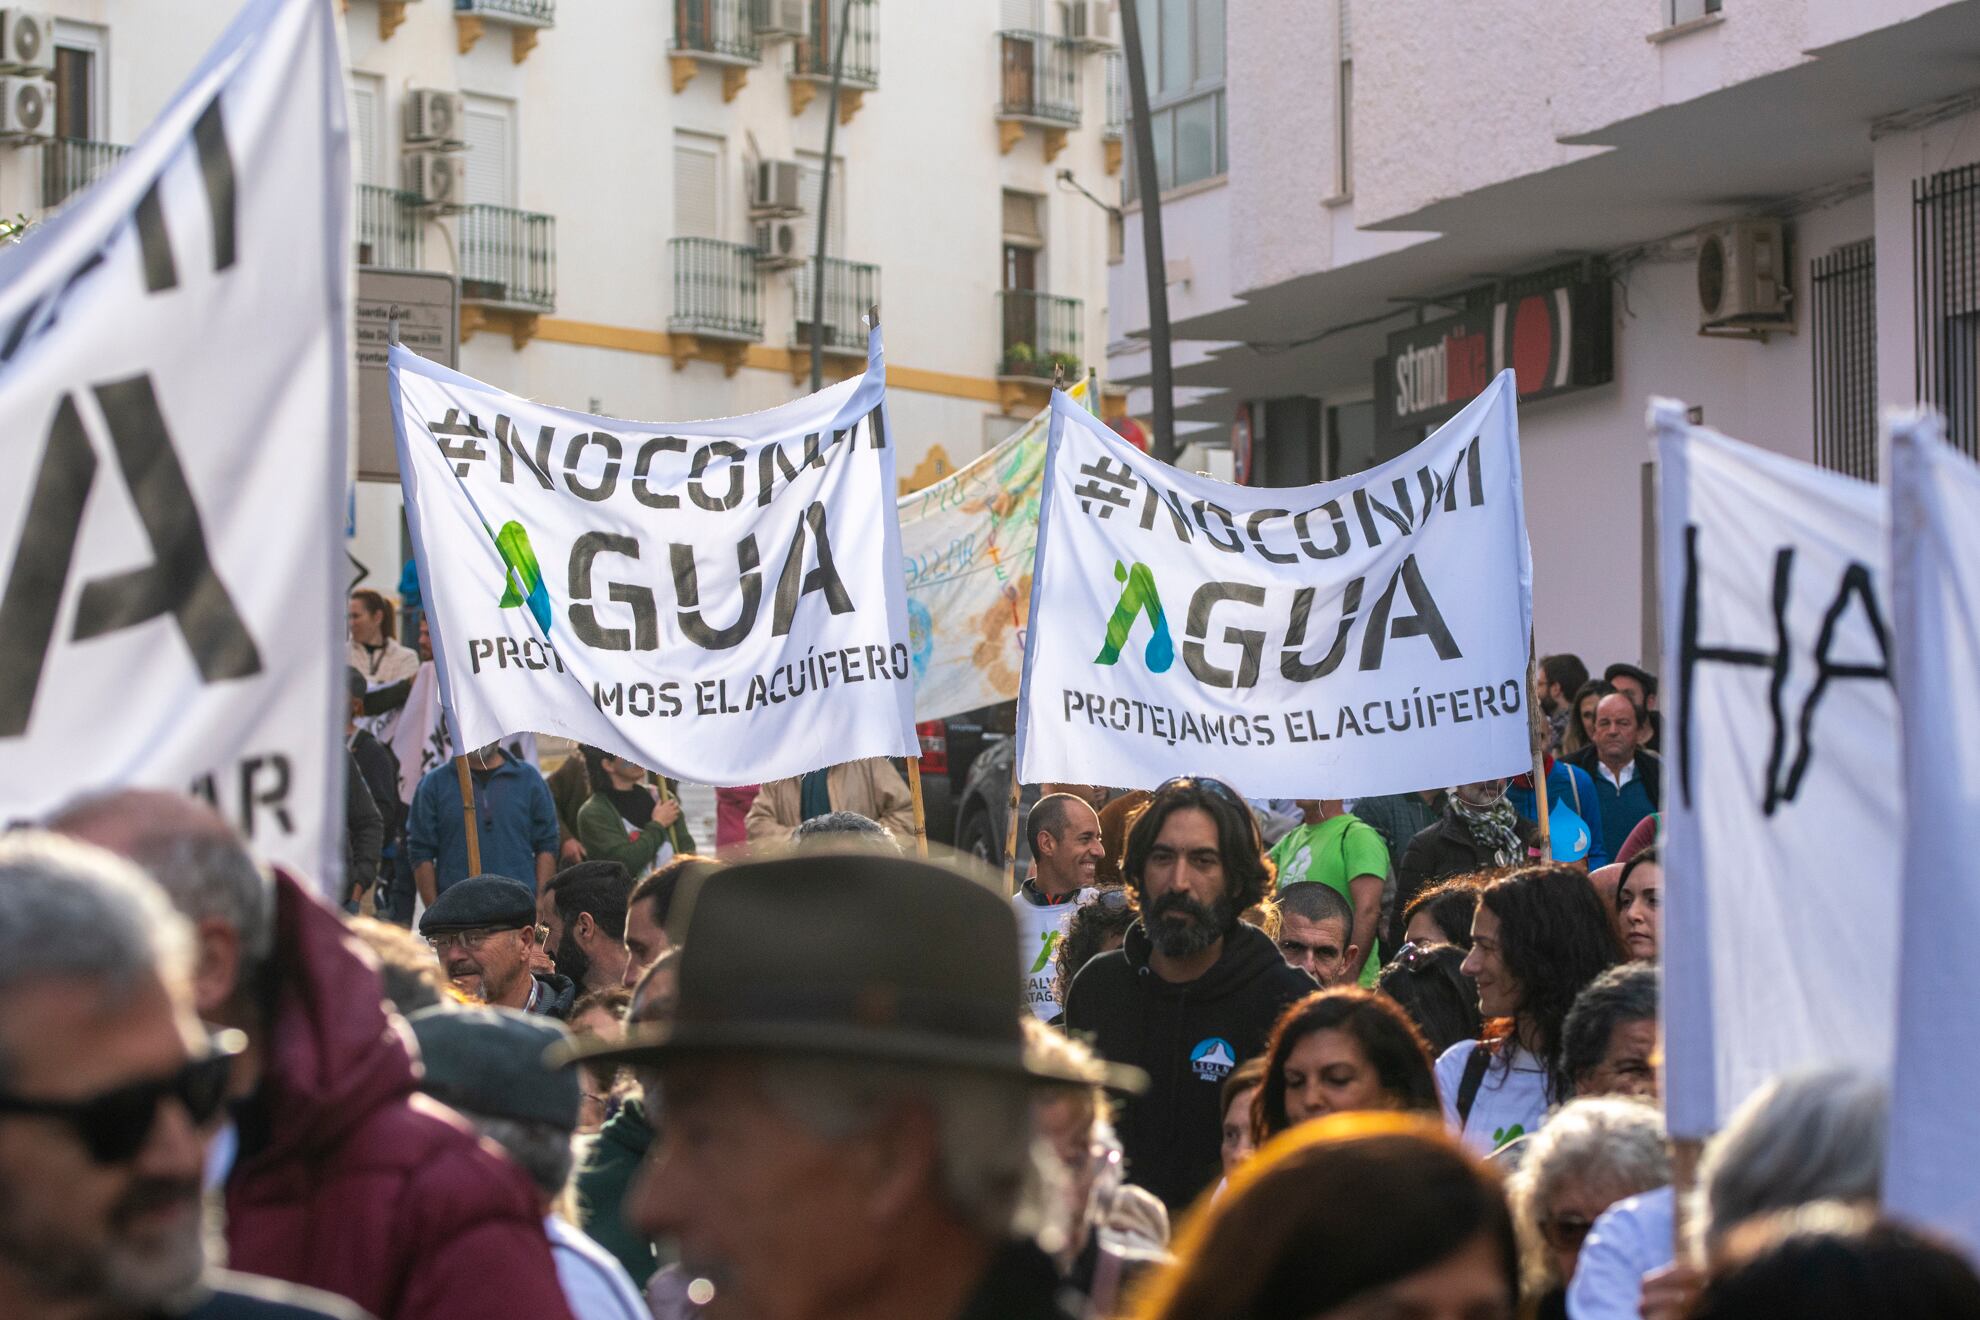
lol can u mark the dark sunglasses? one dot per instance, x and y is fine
(115, 1125)
(1217, 786)
(1565, 1232)
(1414, 956)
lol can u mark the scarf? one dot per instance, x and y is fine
(635, 804)
(1494, 828)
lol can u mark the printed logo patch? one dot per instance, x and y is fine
(1212, 1059)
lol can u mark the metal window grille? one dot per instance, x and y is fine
(69, 165)
(716, 27)
(537, 13)
(850, 289)
(716, 289)
(1844, 322)
(390, 230)
(1040, 78)
(1945, 246)
(811, 54)
(508, 257)
(1041, 331)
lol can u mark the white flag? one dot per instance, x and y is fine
(1782, 808)
(419, 738)
(174, 358)
(1933, 1171)
(719, 601)
(1360, 637)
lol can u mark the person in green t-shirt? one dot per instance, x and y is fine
(1346, 854)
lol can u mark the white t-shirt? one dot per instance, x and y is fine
(1508, 1105)
(1040, 928)
(596, 1286)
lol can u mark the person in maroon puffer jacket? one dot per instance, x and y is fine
(341, 1176)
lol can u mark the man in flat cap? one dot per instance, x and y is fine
(483, 930)
(847, 1093)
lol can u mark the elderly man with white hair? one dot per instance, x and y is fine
(108, 1087)
(848, 1128)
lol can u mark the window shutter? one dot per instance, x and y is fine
(489, 135)
(1021, 225)
(697, 189)
(810, 176)
(364, 129)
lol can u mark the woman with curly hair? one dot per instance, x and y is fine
(1098, 925)
(1538, 937)
(1337, 1051)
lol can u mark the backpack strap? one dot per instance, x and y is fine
(1474, 1077)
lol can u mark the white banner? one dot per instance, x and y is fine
(173, 404)
(718, 601)
(1933, 1171)
(968, 542)
(1782, 804)
(1360, 637)
(419, 736)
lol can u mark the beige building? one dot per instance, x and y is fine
(627, 193)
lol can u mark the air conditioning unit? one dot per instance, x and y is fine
(777, 245)
(780, 18)
(433, 118)
(437, 178)
(27, 109)
(27, 41)
(1089, 23)
(1743, 277)
(773, 189)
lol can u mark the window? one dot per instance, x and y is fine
(80, 112)
(1945, 248)
(1690, 11)
(697, 186)
(489, 126)
(1844, 344)
(1344, 110)
(811, 168)
(367, 105)
(1182, 47)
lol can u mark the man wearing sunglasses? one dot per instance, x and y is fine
(108, 1087)
(334, 1173)
(1194, 991)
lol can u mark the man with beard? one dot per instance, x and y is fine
(110, 1086)
(483, 931)
(1193, 992)
(585, 908)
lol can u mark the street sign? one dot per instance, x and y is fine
(427, 304)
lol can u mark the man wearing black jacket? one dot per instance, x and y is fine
(1194, 992)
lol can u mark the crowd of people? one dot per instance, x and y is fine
(1207, 1057)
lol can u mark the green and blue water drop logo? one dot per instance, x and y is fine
(524, 582)
(1138, 597)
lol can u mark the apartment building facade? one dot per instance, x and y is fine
(622, 197)
(1768, 208)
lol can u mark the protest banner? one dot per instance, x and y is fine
(719, 601)
(967, 543)
(174, 382)
(1934, 1146)
(1781, 797)
(1363, 636)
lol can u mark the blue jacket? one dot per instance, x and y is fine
(1569, 786)
(513, 813)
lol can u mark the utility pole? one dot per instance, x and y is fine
(1149, 185)
(825, 198)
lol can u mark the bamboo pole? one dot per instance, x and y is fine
(920, 811)
(1538, 726)
(469, 817)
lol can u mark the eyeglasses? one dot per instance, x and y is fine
(467, 939)
(1415, 957)
(115, 1125)
(1111, 900)
(1565, 1232)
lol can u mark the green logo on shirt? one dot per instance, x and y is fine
(1046, 943)
(1138, 597)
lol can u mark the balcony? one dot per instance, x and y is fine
(1040, 333)
(811, 56)
(851, 288)
(68, 165)
(390, 230)
(1038, 85)
(508, 270)
(1115, 128)
(718, 297)
(714, 32)
(525, 19)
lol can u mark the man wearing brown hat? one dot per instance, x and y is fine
(848, 1129)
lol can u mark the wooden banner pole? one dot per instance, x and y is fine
(920, 810)
(1011, 833)
(469, 817)
(1538, 722)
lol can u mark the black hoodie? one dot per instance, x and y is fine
(1187, 1037)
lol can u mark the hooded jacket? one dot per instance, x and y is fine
(349, 1181)
(605, 1170)
(1187, 1037)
